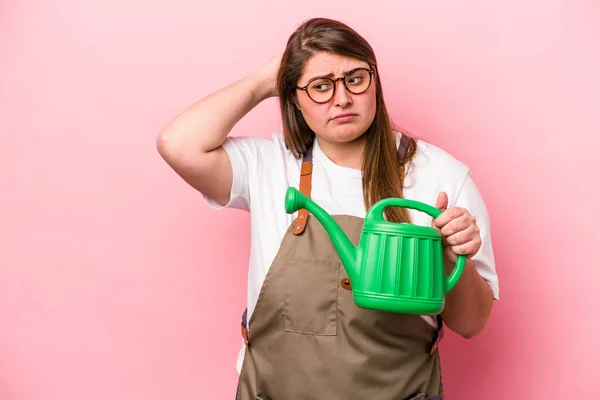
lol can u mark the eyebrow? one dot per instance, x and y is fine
(331, 75)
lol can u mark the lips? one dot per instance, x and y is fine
(344, 115)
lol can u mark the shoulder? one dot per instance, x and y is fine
(432, 170)
(432, 160)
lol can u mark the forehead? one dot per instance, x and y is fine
(323, 63)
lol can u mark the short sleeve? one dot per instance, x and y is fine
(242, 155)
(470, 198)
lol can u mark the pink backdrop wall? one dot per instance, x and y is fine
(117, 282)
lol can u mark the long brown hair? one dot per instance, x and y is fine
(383, 169)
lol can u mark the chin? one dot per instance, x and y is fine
(345, 133)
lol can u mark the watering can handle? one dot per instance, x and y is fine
(376, 214)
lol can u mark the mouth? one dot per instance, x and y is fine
(344, 117)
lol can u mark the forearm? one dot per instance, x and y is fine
(204, 126)
(469, 303)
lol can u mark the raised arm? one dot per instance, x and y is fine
(192, 142)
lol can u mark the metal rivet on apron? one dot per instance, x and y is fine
(346, 284)
(297, 228)
(302, 217)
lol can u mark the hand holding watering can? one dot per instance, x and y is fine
(460, 233)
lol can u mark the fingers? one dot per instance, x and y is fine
(449, 215)
(468, 234)
(450, 255)
(458, 224)
(460, 233)
(469, 249)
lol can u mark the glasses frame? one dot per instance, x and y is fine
(371, 71)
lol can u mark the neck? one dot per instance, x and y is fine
(348, 154)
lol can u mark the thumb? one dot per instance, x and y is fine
(441, 204)
(442, 201)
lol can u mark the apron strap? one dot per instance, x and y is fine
(305, 189)
(245, 326)
(439, 334)
(404, 141)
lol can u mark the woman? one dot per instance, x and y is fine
(306, 338)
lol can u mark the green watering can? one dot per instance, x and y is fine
(397, 267)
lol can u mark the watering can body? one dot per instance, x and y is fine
(396, 267)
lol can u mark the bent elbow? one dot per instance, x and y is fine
(470, 334)
(470, 331)
(162, 142)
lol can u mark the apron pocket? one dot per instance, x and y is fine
(311, 291)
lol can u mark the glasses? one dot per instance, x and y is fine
(321, 90)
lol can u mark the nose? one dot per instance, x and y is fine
(342, 96)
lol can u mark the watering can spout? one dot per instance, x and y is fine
(294, 201)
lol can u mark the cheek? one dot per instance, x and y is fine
(372, 104)
(314, 114)
(368, 107)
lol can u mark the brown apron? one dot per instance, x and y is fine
(307, 339)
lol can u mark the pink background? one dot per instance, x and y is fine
(118, 282)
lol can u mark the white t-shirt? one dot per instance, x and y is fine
(263, 170)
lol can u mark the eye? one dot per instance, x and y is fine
(321, 86)
(356, 78)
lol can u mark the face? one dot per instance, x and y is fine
(346, 116)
